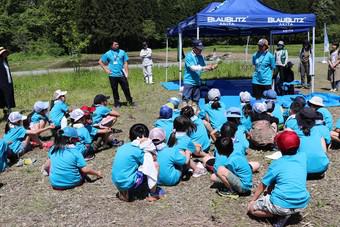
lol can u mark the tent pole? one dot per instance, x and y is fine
(180, 59)
(313, 60)
(166, 59)
(308, 36)
(271, 42)
(198, 32)
(246, 57)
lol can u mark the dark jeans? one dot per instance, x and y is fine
(304, 70)
(278, 83)
(259, 89)
(124, 84)
(191, 92)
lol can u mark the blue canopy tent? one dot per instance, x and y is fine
(242, 17)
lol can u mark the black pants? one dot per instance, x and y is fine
(278, 83)
(124, 84)
(259, 89)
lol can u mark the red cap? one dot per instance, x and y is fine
(88, 109)
(287, 140)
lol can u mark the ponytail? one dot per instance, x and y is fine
(59, 141)
(215, 105)
(172, 139)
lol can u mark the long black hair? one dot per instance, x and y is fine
(187, 111)
(228, 129)
(215, 105)
(247, 110)
(60, 141)
(181, 124)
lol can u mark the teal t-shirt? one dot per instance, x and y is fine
(37, 117)
(165, 124)
(264, 65)
(92, 130)
(200, 136)
(175, 113)
(324, 132)
(241, 137)
(115, 60)
(3, 155)
(278, 113)
(100, 112)
(15, 137)
(65, 167)
(246, 122)
(125, 165)
(184, 142)
(192, 77)
(327, 117)
(291, 123)
(289, 175)
(58, 112)
(317, 160)
(170, 163)
(238, 165)
(217, 117)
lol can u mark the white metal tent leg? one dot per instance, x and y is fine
(166, 59)
(180, 59)
(198, 32)
(313, 60)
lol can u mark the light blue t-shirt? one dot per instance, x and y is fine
(92, 130)
(84, 139)
(264, 66)
(175, 113)
(58, 112)
(292, 123)
(165, 124)
(192, 77)
(100, 112)
(246, 122)
(217, 117)
(324, 132)
(170, 163)
(125, 165)
(65, 167)
(238, 165)
(317, 160)
(3, 155)
(289, 175)
(37, 117)
(202, 113)
(278, 113)
(241, 138)
(115, 60)
(327, 117)
(200, 136)
(15, 137)
(184, 142)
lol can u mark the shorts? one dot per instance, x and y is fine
(191, 92)
(236, 184)
(265, 204)
(140, 189)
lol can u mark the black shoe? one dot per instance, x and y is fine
(132, 104)
(117, 105)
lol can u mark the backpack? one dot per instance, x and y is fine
(262, 133)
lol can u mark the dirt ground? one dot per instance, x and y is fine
(27, 199)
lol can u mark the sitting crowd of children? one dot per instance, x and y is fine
(185, 143)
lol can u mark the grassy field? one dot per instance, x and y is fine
(27, 199)
(24, 62)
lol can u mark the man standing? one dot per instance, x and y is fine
(281, 60)
(115, 63)
(146, 55)
(194, 66)
(6, 84)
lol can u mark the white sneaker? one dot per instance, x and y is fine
(199, 172)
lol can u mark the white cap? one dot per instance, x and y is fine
(316, 100)
(214, 94)
(77, 114)
(58, 93)
(245, 96)
(40, 106)
(15, 117)
(260, 107)
(281, 43)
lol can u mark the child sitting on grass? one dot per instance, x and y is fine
(130, 182)
(215, 113)
(180, 140)
(335, 134)
(102, 111)
(284, 183)
(17, 137)
(317, 104)
(171, 161)
(165, 120)
(235, 173)
(59, 109)
(66, 165)
(291, 121)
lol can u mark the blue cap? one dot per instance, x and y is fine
(165, 112)
(197, 44)
(270, 94)
(175, 101)
(70, 132)
(234, 112)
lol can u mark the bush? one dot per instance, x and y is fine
(44, 46)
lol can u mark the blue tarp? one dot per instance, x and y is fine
(242, 17)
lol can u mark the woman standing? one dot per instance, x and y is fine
(264, 63)
(334, 68)
(7, 101)
(305, 59)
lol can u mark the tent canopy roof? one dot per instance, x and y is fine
(241, 17)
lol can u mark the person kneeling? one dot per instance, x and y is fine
(284, 182)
